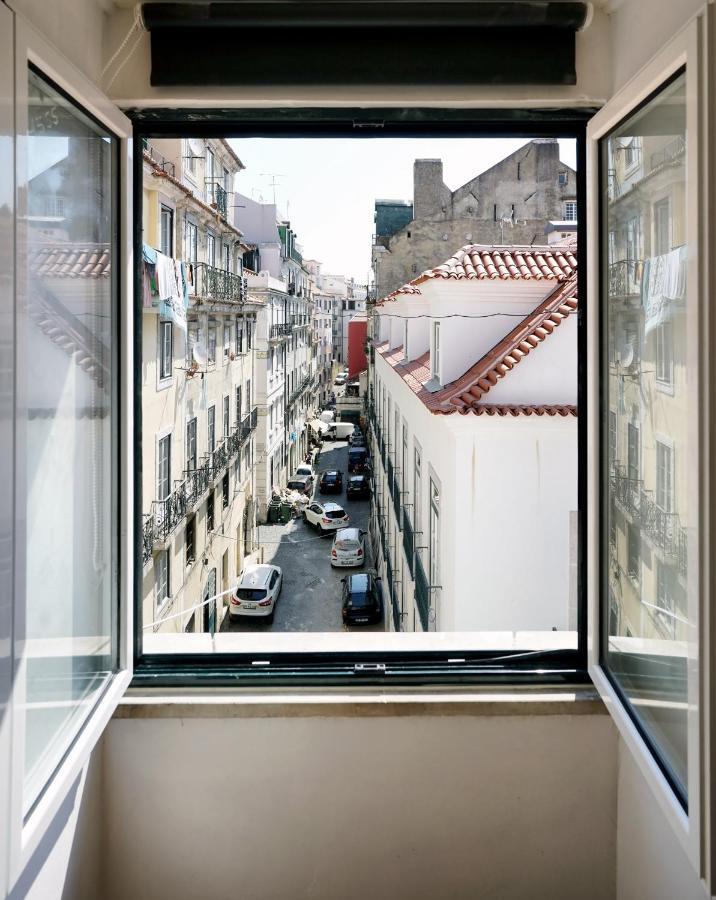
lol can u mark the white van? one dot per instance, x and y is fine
(327, 415)
(339, 431)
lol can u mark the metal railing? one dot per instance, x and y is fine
(422, 593)
(625, 278)
(391, 591)
(160, 161)
(626, 490)
(216, 196)
(281, 330)
(166, 514)
(296, 393)
(668, 153)
(220, 285)
(408, 541)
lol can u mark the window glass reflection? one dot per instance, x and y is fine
(650, 400)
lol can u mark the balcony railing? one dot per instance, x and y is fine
(422, 593)
(219, 285)
(307, 381)
(216, 196)
(392, 594)
(668, 153)
(625, 278)
(280, 331)
(166, 514)
(160, 161)
(626, 490)
(408, 541)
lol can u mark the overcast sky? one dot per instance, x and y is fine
(327, 186)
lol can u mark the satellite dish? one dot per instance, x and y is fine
(199, 354)
(627, 355)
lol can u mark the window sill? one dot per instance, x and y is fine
(366, 702)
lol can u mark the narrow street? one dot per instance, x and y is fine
(311, 595)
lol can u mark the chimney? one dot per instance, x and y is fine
(430, 194)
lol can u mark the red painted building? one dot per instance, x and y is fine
(357, 334)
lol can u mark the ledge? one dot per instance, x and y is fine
(226, 704)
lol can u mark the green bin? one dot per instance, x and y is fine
(285, 515)
(274, 511)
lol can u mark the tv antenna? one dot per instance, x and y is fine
(273, 176)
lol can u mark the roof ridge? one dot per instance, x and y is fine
(512, 348)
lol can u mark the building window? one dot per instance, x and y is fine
(662, 227)
(631, 153)
(227, 258)
(665, 607)
(211, 346)
(417, 491)
(570, 211)
(664, 477)
(165, 349)
(238, 336)
(238, 404)
(211, 250)
(248, 335)
(211, 428)
(225, 490)
(164, 459)
(436, 351)
(191, 445)
(664, 357)
(192, 243)
(227, 340)
(166, 231)
(162, 579)
(210, 512)
(190, 540)
(563, 179)
(633, 551)
(227, 415)
(632, 454)
(248, 394)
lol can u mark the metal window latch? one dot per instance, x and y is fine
(368, 668)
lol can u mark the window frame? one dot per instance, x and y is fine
(164, 376)
(686, 51)
(25, 47)
(408, 667)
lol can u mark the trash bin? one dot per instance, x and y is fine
(274, 511)
(286, 513)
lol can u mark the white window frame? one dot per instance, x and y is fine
(688, 48)
(21, 45)
(569, 207)
(664, 444)
(664, 357)
(162, 379)
(227, 416)
(162, 436)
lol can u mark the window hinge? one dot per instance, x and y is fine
(368, 668)
(368, 123)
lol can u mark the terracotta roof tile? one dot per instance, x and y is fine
(70, 261)
(466, 393)
(489, 262)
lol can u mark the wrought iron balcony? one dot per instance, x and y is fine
(219, 285)
(197, 482)
(147, 537)
(280, 331)
(668, 153)
(159, 161)
(626, 490)
(665, 530)
(408, 541)
(169, 512)
(422, 593)
(216, 196)
(307, 382)
(625, 278)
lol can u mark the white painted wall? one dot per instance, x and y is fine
(392, 808)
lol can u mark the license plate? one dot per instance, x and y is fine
(249, 606)
(361, 620)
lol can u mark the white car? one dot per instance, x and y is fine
(257, 592)
(341, 379)
(326, 516)
(348, 548)
(305, 469)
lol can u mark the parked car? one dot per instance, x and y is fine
(357, 439)
(331, 482)
(362, 599)
(302, 483)
(358, 459)
(340, 380)
(348, 547)
(305, 469)
(358, 487)
(326, 516)
(257, 592)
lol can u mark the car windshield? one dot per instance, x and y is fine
(251, 593)
(347, 544)
(297, 484)
(334, 514)
(358, 480)
(364, 598)
(330, 476)
(358, 453)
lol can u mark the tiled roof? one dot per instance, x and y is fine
(466, 393)
(489, 263)
(70, 261)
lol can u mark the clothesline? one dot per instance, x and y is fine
(165, 284)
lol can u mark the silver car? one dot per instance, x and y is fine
(348, 550)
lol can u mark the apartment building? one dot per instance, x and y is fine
(198, 389)
(287, 352)
(512, 202)
(473, 452)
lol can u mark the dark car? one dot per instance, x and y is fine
(362, 600)
(358, 459)
(331, 482)
(358, 487)
(357, 439)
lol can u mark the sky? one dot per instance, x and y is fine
(327, 186)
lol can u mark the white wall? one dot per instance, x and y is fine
(388, 807)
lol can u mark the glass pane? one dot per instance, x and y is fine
(66, 374)
(650, 402)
